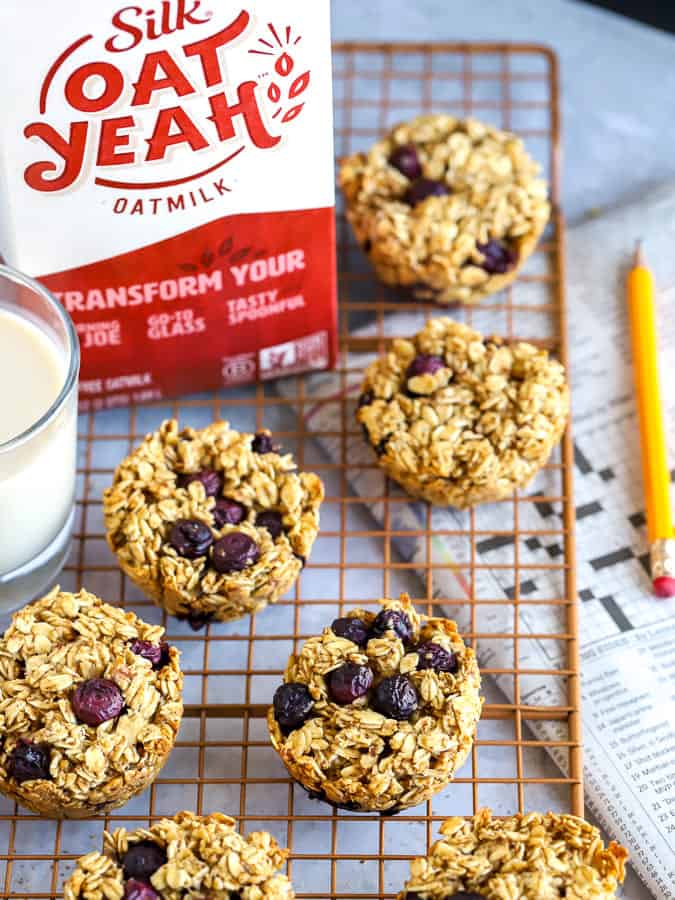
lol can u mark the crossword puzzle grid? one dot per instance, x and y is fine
(613, 560)
(613, 574)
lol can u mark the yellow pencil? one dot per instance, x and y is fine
(656, 475)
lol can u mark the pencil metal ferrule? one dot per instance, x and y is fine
(662, 558)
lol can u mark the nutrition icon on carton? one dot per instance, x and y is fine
(168, 174)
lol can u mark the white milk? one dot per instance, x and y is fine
(37, 478)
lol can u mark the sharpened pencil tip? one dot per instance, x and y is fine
(638, 256)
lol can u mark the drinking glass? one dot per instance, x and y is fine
(37, 466)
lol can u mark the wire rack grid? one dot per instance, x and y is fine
(223, 759)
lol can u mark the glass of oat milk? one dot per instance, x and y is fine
(39, 364)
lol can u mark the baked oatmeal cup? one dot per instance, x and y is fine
(450, 208)
(458, 419)
(203, 857)
(211, 524)
(90, 705)
(379, 711)
(529, 856)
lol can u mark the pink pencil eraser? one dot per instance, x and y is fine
(664, 586)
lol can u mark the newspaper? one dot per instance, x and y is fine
(627, 635)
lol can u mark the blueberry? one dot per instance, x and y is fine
(29, 762)
(365, 399)
(405, 159)
(424, 187)
(433, 656)
(97, 700)
(234, 552)
(142, 860)
(190, 538)
(272, 521)
(212, 481)
(425, 364)
(228, 512)
(262, 443)
(392, 620)
(349, 682)
(195, 620)
(139, 890)
(352, 628)
(499, 257)
(157, 654)
(292, 705)
(395, 697)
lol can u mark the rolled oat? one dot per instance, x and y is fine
(211, 524)
(529, 856)
(449, 207)
(378, 712)
(459, 419)
(203, 857)
(62, 661)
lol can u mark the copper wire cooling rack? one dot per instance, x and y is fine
(223, 759)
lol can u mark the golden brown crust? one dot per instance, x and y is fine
(147, 498)
(352, 755)
(50, 648)
(206, 858)
(528, 856)
(495, 193)
(475, 430)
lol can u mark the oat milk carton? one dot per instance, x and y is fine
(167, 171)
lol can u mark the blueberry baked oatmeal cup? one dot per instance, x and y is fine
(211, 524)
(90, 705)
(529, 856)
(450, 208)
(203, 857)
(458, 419)
(379, 711)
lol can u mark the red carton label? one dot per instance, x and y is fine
(168, 174)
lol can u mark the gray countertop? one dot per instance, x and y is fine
(617, 80)
(617, 89)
